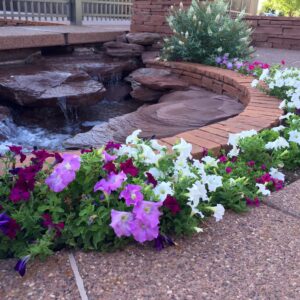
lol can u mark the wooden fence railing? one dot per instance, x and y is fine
(74, 11)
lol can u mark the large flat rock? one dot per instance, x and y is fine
(174, 113)
(250, 256)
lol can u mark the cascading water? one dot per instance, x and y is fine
(29, 137)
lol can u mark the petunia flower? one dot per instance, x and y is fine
(132, 194)
(228, 170)
(107, 157)
(112, 145)
(162, 190)
(142, 232)
(151, 179)
(112, 183)
(263, 190)
(128, 168)
(148, 212)
(161, 240)
(121, 222)
(219, 211)
(20, 267)
(172, 204)
(110, 167)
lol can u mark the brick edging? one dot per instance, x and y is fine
(261, 111)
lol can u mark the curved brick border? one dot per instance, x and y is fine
(261, 111)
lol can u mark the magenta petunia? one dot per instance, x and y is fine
(151, 179)
(172, 204)
(128, 168)
(132, 194)
(223, 159)
(251, 163)
(120, 222)
(142, 232)
(148, 212)
(228, 170)
(110, 167)
(112, 183)
(112, 145)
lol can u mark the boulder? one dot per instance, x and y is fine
(175, 112)
(143, 38)
(46, 87)
(149, 56)
(144, 94)
(151, 80)
(119, 49)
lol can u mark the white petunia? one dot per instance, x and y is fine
(210, 161)
(263, 190)
(133, 138)
(287, 116)
(282, 104)
(182, 168)
(163, 189)
(234, 139)
(213, 182)
(294, 136)
(280, 143)
(156, 173)
(219, 211)
(184, 149)
(156, 146)
(196, 193)
(254, 83)
(278, 129)
(234, 152)
(148, 156)
(200, 167)
(276, 174)
(129, 151)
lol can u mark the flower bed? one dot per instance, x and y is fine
(139, 191)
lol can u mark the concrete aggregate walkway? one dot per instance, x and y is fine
(246, 256)
(275, 56)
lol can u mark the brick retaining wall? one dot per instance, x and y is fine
(276, 32)
(271, 32)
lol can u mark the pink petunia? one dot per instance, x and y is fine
(148, 212)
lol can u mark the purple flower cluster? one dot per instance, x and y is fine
(64, 173)
(268, 179)
(143, 222)
(224, 61)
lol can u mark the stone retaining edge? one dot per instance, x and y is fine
(261, 111)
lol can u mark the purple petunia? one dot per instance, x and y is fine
(111, 183)
(120, 222)
(132, 194)
(143, 232)
(21, 265)
(107, 157)
(64, 173)
(148, 212)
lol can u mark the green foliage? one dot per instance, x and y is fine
(205, 31)
(290, 8)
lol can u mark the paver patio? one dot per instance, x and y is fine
(249, 256)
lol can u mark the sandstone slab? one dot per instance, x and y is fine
(143, 38)
(175, 112)
(157, 79)
(47, 87)
(119, 49)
